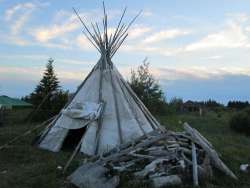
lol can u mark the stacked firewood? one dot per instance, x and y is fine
(161, 159)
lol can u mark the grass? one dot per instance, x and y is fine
(25, 166)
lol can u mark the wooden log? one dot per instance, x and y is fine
(202, 173)
(183, 140)
(207, 167)
(186, 150)
(150, 135)
(158, 153)
(93, 175)
(165, 181)
(173, 146)
(216, 161)
(150, 168)
(125, 166)
(141, 156)
(195, 169)
(147, 143)
(157, 174)
(155, 148)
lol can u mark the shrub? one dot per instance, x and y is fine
(240, 122)
(147, 89)
(176, 104)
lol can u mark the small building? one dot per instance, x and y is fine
(12, 103)
(193, 106)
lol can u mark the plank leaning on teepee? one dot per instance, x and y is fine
(104, 103)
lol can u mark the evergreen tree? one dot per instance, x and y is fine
(147, 89)
(47, 97)
(49, 83)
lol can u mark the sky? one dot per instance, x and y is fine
(198, 50)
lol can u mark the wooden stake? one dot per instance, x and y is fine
(195, 168)
(72, 156)
(216, 161)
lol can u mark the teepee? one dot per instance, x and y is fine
(104, 112)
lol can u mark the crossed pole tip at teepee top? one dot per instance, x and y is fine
(104, 43)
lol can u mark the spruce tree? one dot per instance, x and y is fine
(49, 83)
(47, 97)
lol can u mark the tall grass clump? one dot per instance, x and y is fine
(240, 122)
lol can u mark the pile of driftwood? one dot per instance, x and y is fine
(161, 159)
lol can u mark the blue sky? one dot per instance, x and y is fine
(197, 49)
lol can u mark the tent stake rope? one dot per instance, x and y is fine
(26, 133)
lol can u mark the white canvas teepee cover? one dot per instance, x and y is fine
(122, 117)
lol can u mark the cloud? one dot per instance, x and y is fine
(166, 34)
(9, 13)
(13, 39)
(138, 31)
(191, 72)
(16, 18)
(43, 57)
(199, 73)
(233, 36)
(238, 17)
(83, 43)
(17, 26)
(19, 14)
(60, 33)
(35, 73)
(64, 22)
(24, 56)
(44, 34)
(20, 73)
(156, 49)
(215, 57)
(146, 13)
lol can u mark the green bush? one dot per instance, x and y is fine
(240, 122)
(147, 89)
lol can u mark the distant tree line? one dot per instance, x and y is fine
(178, 104)
(238, 104)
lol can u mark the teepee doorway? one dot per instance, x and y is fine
(72, 139)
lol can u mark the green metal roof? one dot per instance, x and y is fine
(7, 101)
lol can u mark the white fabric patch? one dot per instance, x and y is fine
(86, 111)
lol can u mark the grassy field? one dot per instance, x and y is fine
(25, 166)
